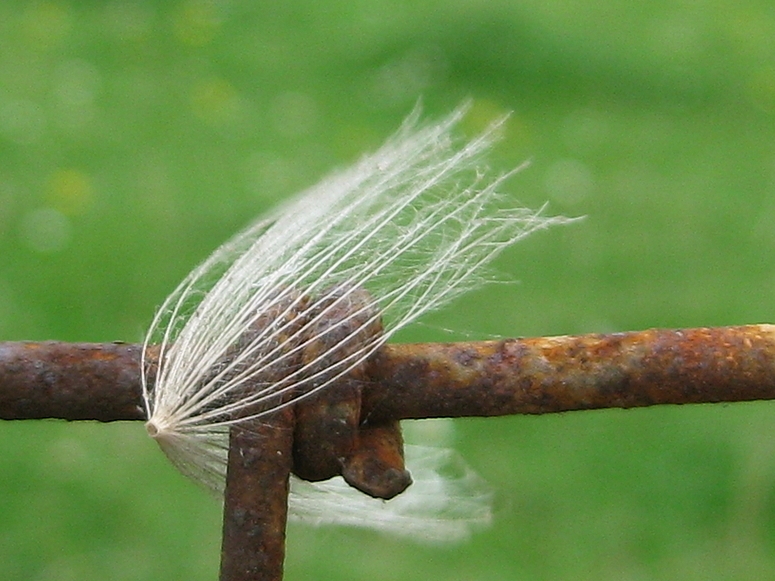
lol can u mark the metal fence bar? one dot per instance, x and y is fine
(255, 505)
(92, 381)
(81, 381)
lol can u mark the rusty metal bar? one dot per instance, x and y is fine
(70, 381)
(255, 507)
(556, 374)
(490, 378)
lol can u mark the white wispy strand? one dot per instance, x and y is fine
(446, 502)
(412, 223)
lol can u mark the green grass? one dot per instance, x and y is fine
(137, 136)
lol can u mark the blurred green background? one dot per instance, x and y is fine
(137, 136)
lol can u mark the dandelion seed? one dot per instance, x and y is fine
(280, 313)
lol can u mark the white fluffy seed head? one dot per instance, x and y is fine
(412, 223)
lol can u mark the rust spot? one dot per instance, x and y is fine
(343, 320)
(376, 467)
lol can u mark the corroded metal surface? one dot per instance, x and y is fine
(555, 374)
(376, 466)
(256, 499)
(327, 423)
(81, 381)
(260, 460)
(492, 378)
(71, 381)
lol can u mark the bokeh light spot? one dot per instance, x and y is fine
(76, 83)
(46, 24)
(216, 102)
(22, 121)
(408, 76)
(293, 114)
(196, 23)
(70, 191)
(46, 230)
(129, 21)
(268, 174)
(569, 181)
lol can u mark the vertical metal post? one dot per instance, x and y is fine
(255, 506)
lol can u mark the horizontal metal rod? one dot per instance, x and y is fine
(83, 381)
(557, 374)
(71, 381)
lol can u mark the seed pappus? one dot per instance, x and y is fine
(260, 324)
